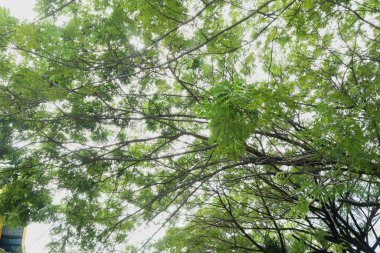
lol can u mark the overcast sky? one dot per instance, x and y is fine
(22, 9)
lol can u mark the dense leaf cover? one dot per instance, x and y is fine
(237, 125)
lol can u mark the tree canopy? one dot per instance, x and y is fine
(236, 125)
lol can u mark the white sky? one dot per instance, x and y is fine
(21, 9)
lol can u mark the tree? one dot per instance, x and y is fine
(239, 125)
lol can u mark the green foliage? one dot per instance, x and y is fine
(231, 117)
(272, 245)
(236, 125)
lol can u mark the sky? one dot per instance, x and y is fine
(22, 9)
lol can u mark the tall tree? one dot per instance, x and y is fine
(238, 125)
